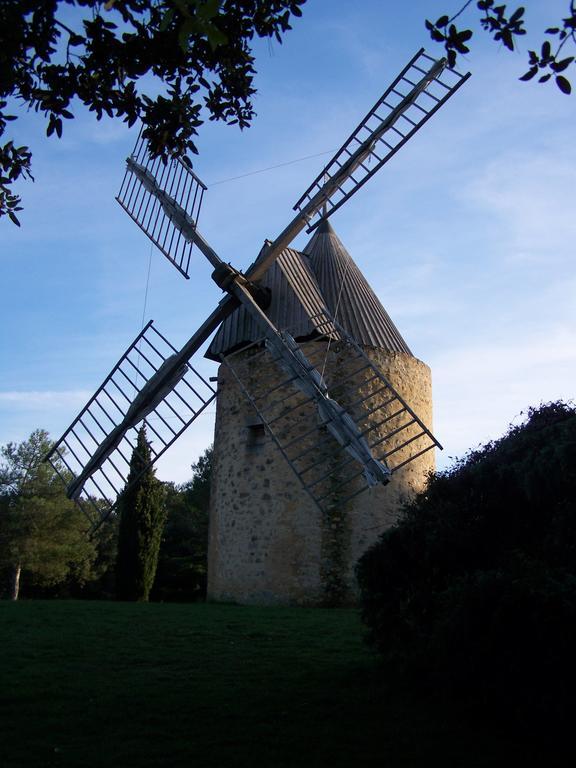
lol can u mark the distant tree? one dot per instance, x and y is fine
(181, 574)
(182, 565)
(198, 489)
(142, 512)
(113, 56)
(102, 584)
(42, 534)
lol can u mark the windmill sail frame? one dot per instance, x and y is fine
(156, 216)
(432, 85)
(96, 448)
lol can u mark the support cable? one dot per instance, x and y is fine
(146, 290)
(271, 168)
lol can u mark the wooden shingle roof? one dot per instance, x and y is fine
(303, 284)
(295, 299)
(347, 294)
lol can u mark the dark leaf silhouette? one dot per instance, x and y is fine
(530, 74)
(184, 56)
(560, 66)
(505, 30)
(563, 84)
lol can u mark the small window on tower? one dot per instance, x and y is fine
(256, 437)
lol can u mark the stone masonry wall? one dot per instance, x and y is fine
(269, 542)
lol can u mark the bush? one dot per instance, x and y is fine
(473, 592)
(183, 561)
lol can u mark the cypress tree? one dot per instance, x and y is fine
(142, 516)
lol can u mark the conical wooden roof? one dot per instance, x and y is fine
(348, 297)
(303, 284)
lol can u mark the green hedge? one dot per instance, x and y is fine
(473, 591)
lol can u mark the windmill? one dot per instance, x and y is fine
(336, 436)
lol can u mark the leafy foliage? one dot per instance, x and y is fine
(198, 51)
(42, 534)
(172, 63)
(102, 582)
(182, 564)
(199, 487)
(454, 40)
(142, 516)
(505, 29)
(474, 590)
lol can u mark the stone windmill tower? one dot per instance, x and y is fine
(269, 541)
(322, 410)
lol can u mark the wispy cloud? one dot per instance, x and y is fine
(532, 198)
(39, 400)
(480, 388)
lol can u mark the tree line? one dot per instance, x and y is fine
(154, 546)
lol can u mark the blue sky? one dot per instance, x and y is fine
(466, 235)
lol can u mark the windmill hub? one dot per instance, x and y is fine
(227, 278)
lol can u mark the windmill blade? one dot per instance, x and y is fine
(150, 382)
(154, 197)
(164, 199)
(423, 86)
(333, 416)
(329, 472)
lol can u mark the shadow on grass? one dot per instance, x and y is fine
(113, 684)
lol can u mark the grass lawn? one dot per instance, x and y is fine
(112, 684)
